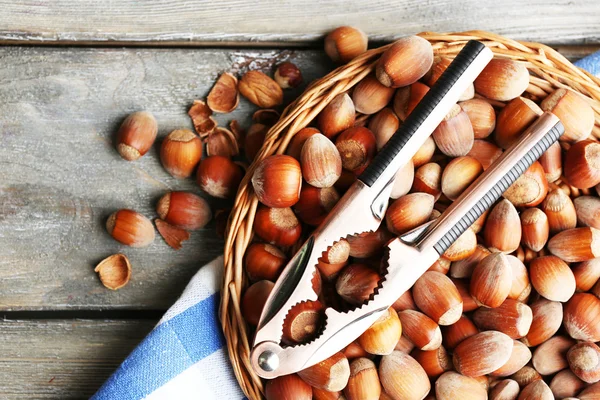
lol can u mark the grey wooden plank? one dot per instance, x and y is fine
(61, 177)
(198, 22)
(63, 359)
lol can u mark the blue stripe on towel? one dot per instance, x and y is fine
(167, 351)
(590, 63)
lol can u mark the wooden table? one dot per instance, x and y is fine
(71, 70)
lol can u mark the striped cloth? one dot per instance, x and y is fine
(185, 357)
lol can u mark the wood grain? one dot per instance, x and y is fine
(60, 176)
(287, 22)
(63, 359)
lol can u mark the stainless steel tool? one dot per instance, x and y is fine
(362, 208)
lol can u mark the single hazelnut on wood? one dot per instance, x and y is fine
(130, 228)
(180, 152)
(219, 176)
(345, 43)
(114, 271)
(183, 209)
(260, 89)
(224, 97)
(136, 135)
(288, 75)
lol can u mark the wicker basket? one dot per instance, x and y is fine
(549, 70)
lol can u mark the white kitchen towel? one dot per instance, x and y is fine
(185, 356)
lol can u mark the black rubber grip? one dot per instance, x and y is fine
(425, 107)
(494, 194)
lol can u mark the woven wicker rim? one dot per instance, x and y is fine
(549, 70)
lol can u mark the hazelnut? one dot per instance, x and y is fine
(407, 98)
(303, 322)
(574, 112)
(331, 374)
(183, 209)
(136, 135)
(264, 261)
(294, 149)
(404, 62)
(260, 89)
(180, 152)
(482, 353)
(458, 175)
(356, 283)
(530, 188)
(402, 377)
(408, 212)
(454, 135)
(288, 387)
(484, 152)
(277, 181)
(502, 80)
(277, 226)
(337, 116)
(356, 147)
(582, 164)
(219, 176)
(288, 75)
(173, 235)
(130, 228)
(345, 43)
(383, 125)
(254, 299)
(513, 119)
(482, 116)
(314, 204)
(321, 161)
(437, 297)
(370, 96)
(546, 321)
